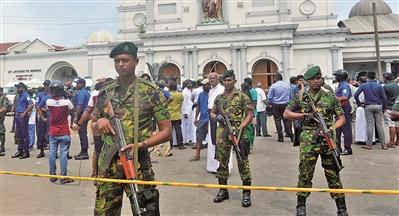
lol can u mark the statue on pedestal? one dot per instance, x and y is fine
(212, 11)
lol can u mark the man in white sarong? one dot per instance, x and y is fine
(187, 108)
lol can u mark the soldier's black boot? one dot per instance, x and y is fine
(41, 154)
(341, 206)
(82, 155)
(301, 206)
(16, 155)
(24, 155)
(246, 196)
(223, 194)
(2, 148)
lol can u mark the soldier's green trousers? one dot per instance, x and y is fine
(2, 132)
(223, 151)
(109, 196)
(308, 156)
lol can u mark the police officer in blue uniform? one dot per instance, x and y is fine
(42, 126)
(343, 94)
(80, 102)
(22, 112)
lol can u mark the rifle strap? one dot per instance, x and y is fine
(136, 123)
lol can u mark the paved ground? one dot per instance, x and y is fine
(272, 164)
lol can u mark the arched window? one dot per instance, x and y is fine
(168, 71)
(214, 66)
(264, 71)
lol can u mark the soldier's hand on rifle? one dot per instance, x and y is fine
(220, 119)
(130, 147)
(104, 126)
(309, 117)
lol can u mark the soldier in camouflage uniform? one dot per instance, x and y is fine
(3, 110)
(312, 143)
(237, 106)
(120, 94)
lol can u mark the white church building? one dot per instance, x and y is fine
(190, 38)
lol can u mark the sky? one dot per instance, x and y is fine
(70, 22)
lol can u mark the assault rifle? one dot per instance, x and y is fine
(126, 159)
(232, 137)
(325, 132)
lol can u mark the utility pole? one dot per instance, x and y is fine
(377, 41)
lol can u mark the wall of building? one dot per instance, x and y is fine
(362, 47)
(36, 66)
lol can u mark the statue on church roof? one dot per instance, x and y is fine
(212, 11)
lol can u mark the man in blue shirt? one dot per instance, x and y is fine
(22, 112)
(203, 112)
(81, 100)
(41, 126)
(278, 96)
(294, 86)
(376, 102)
(343, 94)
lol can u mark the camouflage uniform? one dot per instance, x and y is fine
(235, 106)
(328, 106)
(3, 104)
(152, 105)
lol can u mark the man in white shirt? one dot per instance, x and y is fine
(261, 119)
(187, 122)
(216, 90)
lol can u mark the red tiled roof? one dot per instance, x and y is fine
(4, 46)
(58, 48)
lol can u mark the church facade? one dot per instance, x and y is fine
(191, 38)
(255, 38)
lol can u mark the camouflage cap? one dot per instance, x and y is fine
(124, 48)
(312, 72)
(228, 73)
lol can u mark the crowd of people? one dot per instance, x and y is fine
(199, 114)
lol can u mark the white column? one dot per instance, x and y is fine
(334, 58)
(244, 70)
(283, 11)
(195, 64)
(286, 61)
(186, 67)
(150, 15)
(149, 55)
(90, 67)
(233, 64)
(2, 69)
(388, 68)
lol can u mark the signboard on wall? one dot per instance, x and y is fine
(21, 75)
